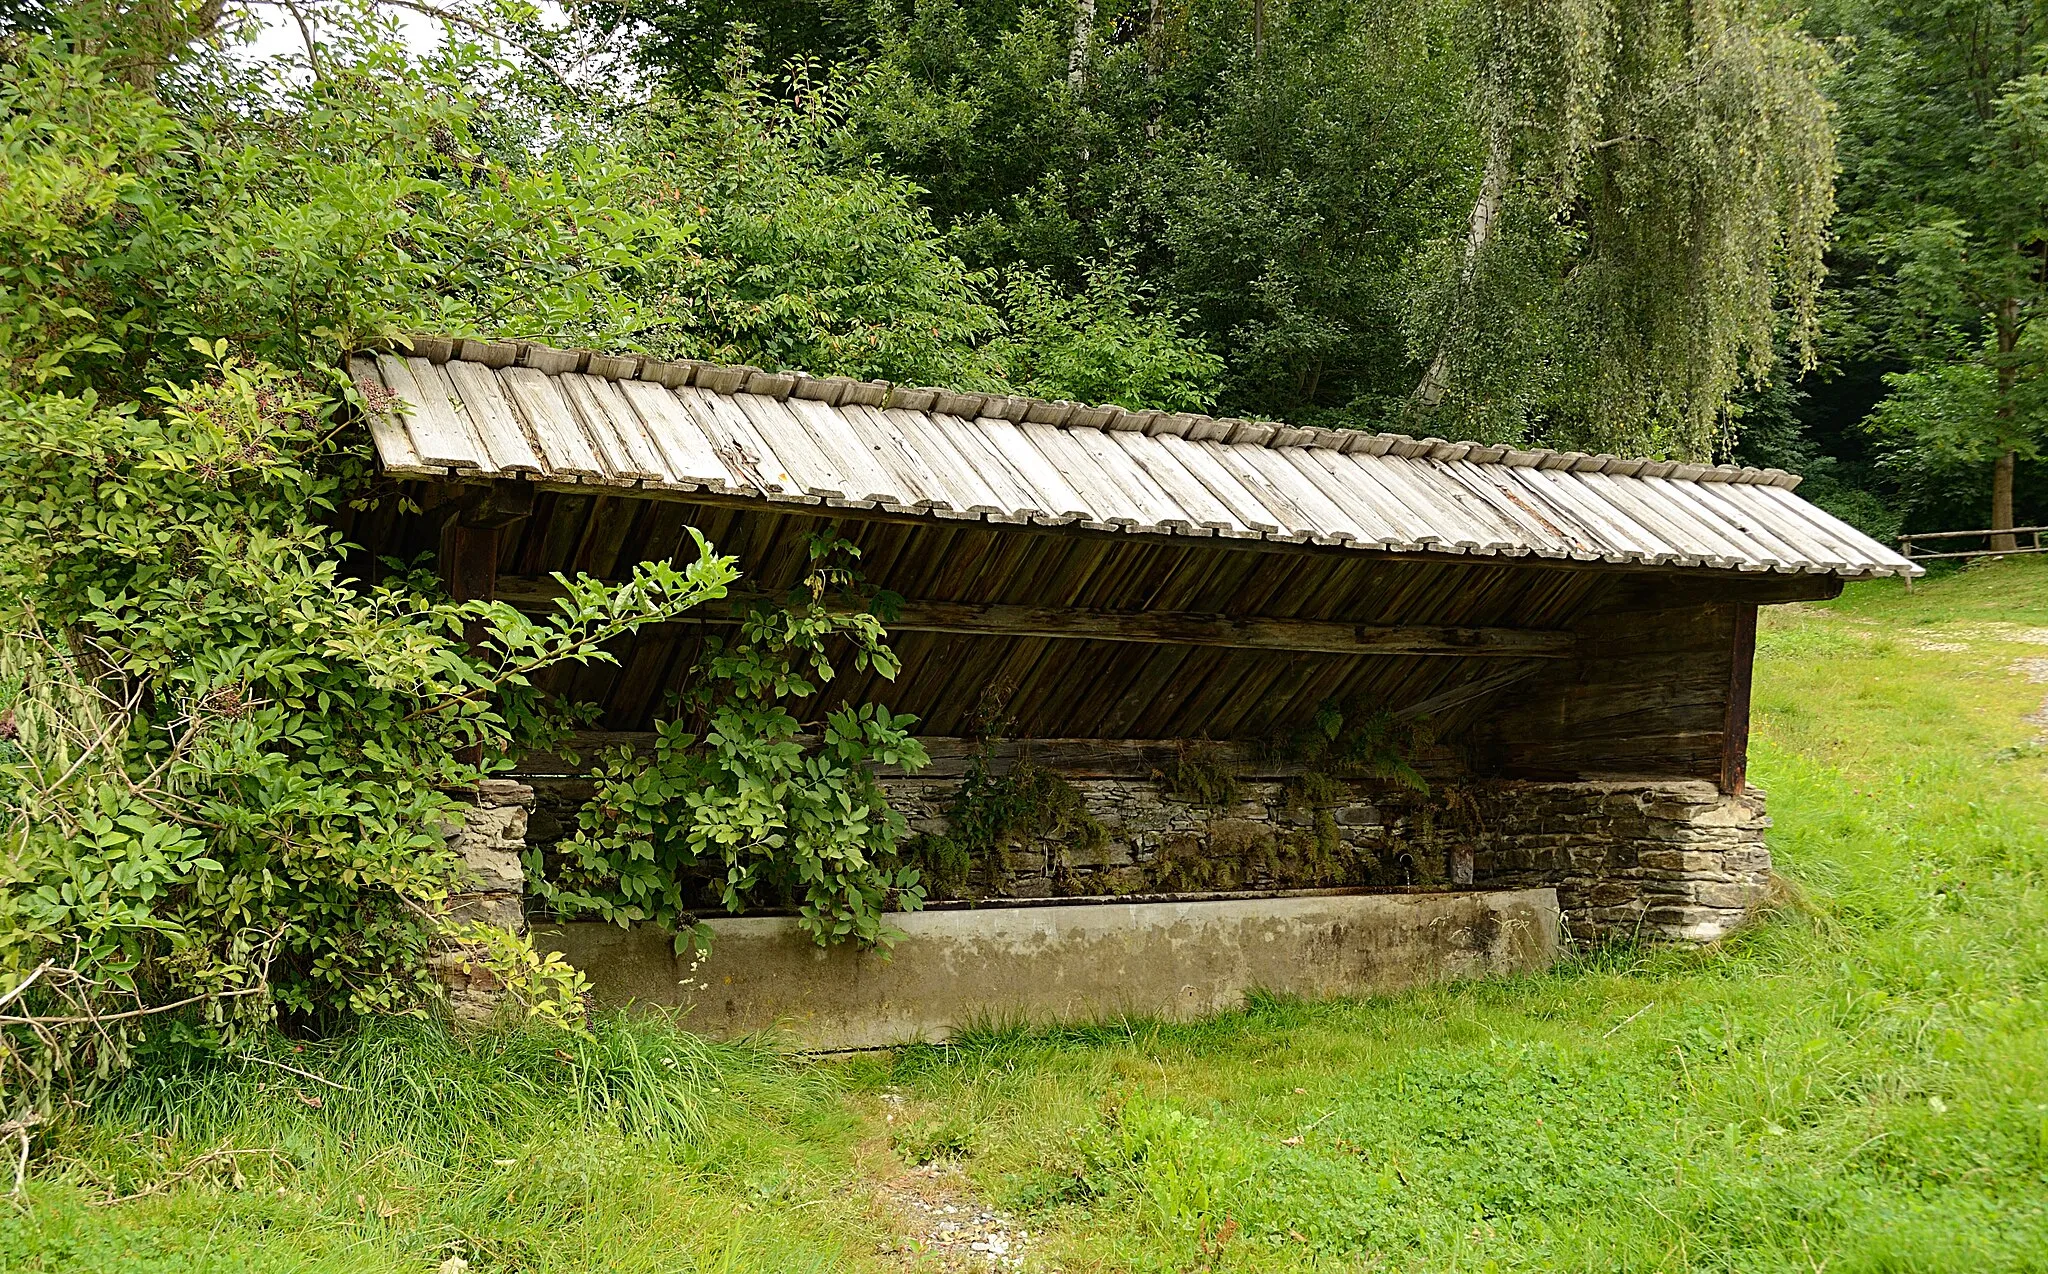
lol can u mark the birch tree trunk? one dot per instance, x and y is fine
(1084, 35)
(1478, 234)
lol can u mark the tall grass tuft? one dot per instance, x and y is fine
(402, 1144)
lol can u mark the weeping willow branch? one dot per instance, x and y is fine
(1657, 186)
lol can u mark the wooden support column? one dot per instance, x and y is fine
(470, 540)
(471, 536)
(1735, 733)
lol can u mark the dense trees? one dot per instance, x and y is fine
(1578, 222)
(1651, 212)
(1943, 259)
(1595, 223)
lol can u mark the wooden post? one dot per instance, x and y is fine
(1735, 732)
(469, 550)
(470, 538)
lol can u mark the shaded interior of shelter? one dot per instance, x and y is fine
(1654, 681)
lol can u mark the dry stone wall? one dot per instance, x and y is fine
(1629, 858)
(490, 838)
(1155, 842)
(1676, 860)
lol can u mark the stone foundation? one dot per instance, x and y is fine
(1680, 860)
(1629, 858)
(490, 838)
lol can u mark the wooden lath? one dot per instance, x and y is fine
(1154, 627)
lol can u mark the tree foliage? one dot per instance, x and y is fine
(1580, 223)
(1651, 215)
(240, 763)
(1945, 230)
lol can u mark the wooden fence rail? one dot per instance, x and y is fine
(1906, 543)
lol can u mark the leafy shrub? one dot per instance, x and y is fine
(1110, 342)
(231, 767)
(734, 783)
(226, 767)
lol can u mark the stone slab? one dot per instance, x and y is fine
(1064, 962)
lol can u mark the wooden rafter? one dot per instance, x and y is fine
(1166, 628)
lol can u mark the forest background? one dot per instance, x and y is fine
(1812, 237)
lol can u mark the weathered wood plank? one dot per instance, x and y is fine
(1491, 529)
(386, 429)
(438, 435)
(1342, 513)
(538, 396)
(1183, 488)
(1296, 524)
(967, 492)
(492, 418)
(1160, 511)
(1735, 735)
(861, 474)
(753, 460)
(1108, 504)
(1047, 484)
(686, 452)
(783, 435)
(1759, 518)
(1526, 522)
(915, 485)
(1019, 502)
(1244, 504)
(648, 462)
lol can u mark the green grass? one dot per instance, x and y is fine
(1858, 1083)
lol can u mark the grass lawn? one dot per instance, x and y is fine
(1857, 1083)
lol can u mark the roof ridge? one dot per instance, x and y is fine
(732, 378)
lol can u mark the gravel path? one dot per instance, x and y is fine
(944, 1227)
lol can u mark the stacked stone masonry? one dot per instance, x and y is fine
(1679, 860)
(1629, 858)
(490, 839)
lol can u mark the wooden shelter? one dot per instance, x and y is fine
(1127, 579)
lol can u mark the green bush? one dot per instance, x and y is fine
(230, 766)
(735, 787)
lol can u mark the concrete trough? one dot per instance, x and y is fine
(1065, 962)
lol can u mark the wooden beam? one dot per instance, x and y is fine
(1166, 628)
(499, 504)
(1735, 735)
(950, 757)
(471, 541)
(469, 560)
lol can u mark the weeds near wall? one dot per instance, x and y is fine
(992, 812)
(1347, 742)
(737, 786)
(1201, 775)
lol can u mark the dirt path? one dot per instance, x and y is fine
(943, 1226)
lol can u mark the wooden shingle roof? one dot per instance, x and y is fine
(478, 409)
